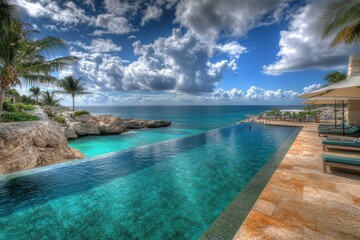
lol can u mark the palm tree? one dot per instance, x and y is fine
(49, 99)
(35, 92)
(343, 18)
(25, 59)
(335, 77)
(73, 87)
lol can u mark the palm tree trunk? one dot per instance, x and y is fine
(73, 98)
(2, 97)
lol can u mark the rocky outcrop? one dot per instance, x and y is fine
(26, 145)
(84, 128)
(134, 124)
(156, 123)
(87, 124)
(70, 133)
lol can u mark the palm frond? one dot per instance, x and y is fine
(349, 35)
(40, 79)
(339, 14)
(341, 17)
(49, 98)
(49, 46)
(46, 67)
(335, 77)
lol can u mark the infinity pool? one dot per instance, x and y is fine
(173, 189)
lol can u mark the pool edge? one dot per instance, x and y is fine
(230, 220)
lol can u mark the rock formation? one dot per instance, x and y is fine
(25, 145)
(87, 124)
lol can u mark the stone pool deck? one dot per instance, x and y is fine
(302, 202)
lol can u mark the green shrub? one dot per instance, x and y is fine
(8, 106)
(60, 119)
(314, 113)
(311, 114)
(81, 112)
(18, 117)
(26, 99)
(302, 114)
(274, 112)
(23, 106)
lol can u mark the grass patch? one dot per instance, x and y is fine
(81, 112)
(60, 119)
(18, 117)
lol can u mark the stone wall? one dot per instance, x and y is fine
(354, 66)
(354, 106)
(354, 112)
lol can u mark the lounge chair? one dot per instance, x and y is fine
(340, 162)
(341, 144)
(354, 130)
(332, 126)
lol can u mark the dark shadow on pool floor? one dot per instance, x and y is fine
(35, 188)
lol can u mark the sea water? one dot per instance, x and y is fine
(185, 120)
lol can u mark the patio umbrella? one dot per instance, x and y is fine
(333, 100)
(348, 88)
(329, 100)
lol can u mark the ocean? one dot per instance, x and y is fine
(185, 121)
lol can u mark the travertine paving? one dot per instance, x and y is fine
(302, 202)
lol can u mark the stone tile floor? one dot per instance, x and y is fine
(302, 202)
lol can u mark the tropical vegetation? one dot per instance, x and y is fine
(35, 92)
(18, 117)
(72, 86)
(81, 112)
(19, 98)
(48, 98)
(17, 112)
(275, 113)
(335, 77)
(343, 19)
(23, 59)
(17, 107)
(60, 119)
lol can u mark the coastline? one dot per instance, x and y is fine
(27, 145)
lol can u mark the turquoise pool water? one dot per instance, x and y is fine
(173, 189)
(186, 120)
(97, 145)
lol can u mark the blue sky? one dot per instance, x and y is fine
(191, 52)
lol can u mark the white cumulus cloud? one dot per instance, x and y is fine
(179, 62)
(68, 13)
(301, 45)
(253, 95)
(211, 19)
(233, 49)
(151, 13)
(312, 87)
(99, 45)
(112, 24)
